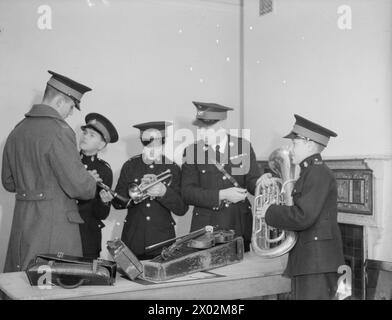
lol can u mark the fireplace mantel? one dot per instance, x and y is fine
(377, 225)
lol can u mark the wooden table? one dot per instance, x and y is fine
(252, 277)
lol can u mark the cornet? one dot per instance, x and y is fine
(138, 193)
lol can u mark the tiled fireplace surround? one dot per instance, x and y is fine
(365, 236)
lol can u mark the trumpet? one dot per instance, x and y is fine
(138, 193)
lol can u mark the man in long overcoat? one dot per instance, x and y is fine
(41, 165)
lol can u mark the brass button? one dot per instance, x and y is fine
(151, 166)
(315, 238)
(226, 205)
(148, 204)
(135, 180)
(224, 178)
(41, 194)
(203, 171)
(196, 213)
(148, 218)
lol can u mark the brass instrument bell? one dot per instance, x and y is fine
(138, 193)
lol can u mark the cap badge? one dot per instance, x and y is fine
(94, 121)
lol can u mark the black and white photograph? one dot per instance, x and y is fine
(197, 155)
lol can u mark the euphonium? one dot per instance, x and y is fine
(138, 193)
(267, 241)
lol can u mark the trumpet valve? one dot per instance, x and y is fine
(134, 192)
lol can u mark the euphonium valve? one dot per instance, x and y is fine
(267, 241)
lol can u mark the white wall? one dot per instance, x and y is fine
(297, 60)
(136, 55)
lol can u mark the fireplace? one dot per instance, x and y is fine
(353, 250)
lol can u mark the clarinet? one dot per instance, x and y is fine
(114, 193)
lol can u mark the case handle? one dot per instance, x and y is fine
(69, 286)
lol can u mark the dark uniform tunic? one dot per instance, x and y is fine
(201, 182)
(149, 221)
(94, 211)
(314, 260)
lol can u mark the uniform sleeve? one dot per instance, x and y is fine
(172, 199)
(100, 209)
(70, 173)
(192, 192)
(6, 175)
(307, 207)
(253, 173)
(123, 186)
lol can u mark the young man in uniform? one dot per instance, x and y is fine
(314, 261)
(219, 192)
(150, 221)
(96, 134)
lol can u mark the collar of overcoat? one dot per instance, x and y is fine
(43, 110)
